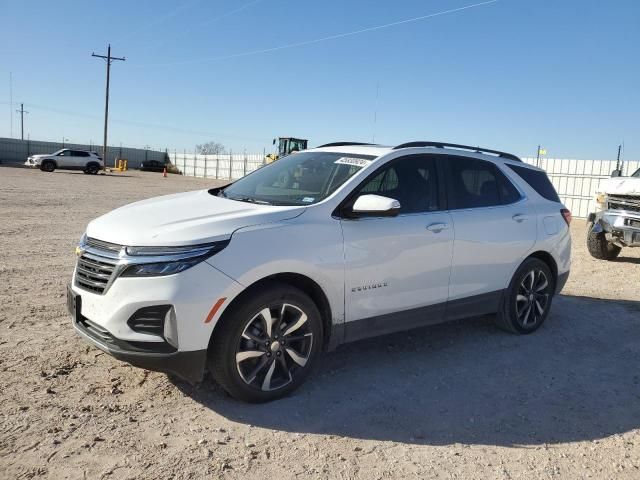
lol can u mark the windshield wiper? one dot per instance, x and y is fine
(250, 200)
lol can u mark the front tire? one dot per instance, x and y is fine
(266, 344)
(48, 166)
(527, 300)
(598, 245)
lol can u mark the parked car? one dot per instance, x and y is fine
(67, 159)
(327, 246)
(614, 221)
(153, 166)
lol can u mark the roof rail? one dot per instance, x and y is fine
(343, 144)
(461, 147)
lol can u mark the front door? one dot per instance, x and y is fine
(65, 159)
(397, 268)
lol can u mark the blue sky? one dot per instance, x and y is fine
(508, 75)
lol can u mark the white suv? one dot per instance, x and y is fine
(67, 159)
(326, 246)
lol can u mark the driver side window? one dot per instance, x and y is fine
(412, 180)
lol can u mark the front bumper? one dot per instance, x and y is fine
(186, 365)
(103, 319)
(620, 227)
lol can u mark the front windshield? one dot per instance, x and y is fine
(299, 179)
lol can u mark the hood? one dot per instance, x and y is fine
(183, 219)
(41, 155)
(620, 186)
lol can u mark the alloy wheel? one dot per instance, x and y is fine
(532, 298)
(274, 346)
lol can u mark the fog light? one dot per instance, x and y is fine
(171, 328)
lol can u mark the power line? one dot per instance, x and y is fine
(22, 111)
(158, 20)
(150, 126)
(207, 22)
(322, 39)
(109, 59)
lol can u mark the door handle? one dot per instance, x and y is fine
(437, 227)
(520, 217)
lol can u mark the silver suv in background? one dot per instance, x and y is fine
(67, 159)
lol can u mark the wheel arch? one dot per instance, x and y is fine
(296, 280)
(547, 258)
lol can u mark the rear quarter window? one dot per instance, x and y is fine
(538, 181)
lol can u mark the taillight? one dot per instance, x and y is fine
(566, 214)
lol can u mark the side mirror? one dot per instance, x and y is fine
(274, 142)
(375, 206)
(616, 173)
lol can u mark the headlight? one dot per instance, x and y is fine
(601, 199)
(159, 261)
(159, 269)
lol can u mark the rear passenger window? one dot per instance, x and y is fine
(475, 183)
(537, 180)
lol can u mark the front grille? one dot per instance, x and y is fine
(96, 267)
(629, 203)
(100, 245)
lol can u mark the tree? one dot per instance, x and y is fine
(210, 148)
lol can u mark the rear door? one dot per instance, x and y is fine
(397, 268)
(79, 159)
(495, 227)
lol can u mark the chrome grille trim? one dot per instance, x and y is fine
(100, 245)
(97, 266)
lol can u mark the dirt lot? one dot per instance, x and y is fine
(460, 400)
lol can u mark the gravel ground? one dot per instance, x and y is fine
(460, 400)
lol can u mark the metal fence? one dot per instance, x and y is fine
(577, 180)
(229, 166)
(14, 150)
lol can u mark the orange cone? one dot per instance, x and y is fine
(164, 172)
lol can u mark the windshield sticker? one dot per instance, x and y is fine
(308, 199)
(356, 162)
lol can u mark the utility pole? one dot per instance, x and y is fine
(22, 111)
(109, 59)
(618, 160)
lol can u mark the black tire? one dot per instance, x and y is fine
(526, 302)
(48, 166)
(598, 245)
(243, 333)
(92, 169)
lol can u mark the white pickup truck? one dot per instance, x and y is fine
(614, 221)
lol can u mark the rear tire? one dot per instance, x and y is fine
(92, 169)
(598, 245)
(527, 300)
(48, 166)
(266, 344)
